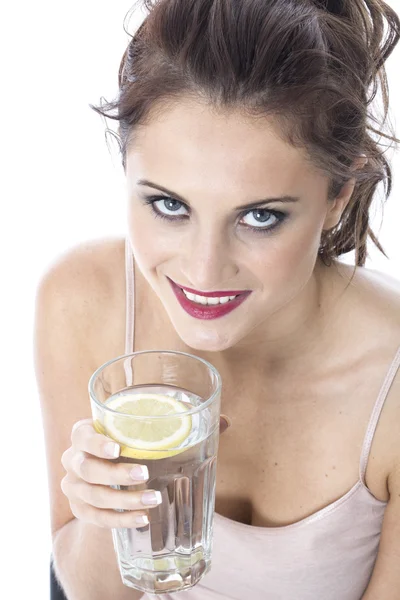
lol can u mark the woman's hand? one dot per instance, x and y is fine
(90, 475)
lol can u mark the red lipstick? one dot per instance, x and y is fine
(208, 312)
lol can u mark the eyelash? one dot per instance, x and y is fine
(281, 216)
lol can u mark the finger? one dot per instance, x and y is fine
(109, 519)
(224, 423)
(98, 471)
(102, 496)
(85, 438)
(66, 458)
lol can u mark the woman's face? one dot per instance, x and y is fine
(202, 235)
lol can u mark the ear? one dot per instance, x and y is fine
(338, 205)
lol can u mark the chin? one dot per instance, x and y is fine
(205, 340)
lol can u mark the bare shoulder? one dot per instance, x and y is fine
(380, 281)
(379, 302)
(384, 293)
(86, 284)
(93, 264)
(377, 297)
(376, 316)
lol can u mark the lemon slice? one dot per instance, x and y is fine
(147, 439)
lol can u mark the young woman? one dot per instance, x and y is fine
(251, 166)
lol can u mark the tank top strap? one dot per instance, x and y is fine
(376, 412)
(130, 298)
(130, 308)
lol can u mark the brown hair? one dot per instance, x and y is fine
(314, 65)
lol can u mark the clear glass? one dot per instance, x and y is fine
(173, 552)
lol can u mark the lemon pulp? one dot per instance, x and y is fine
(146, 438)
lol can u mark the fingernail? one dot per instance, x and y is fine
(140, 472)
(112, 449)
(151, 497)
(142, 520)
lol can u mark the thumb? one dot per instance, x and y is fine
(224, 423)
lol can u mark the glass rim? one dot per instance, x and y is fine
(195, 410)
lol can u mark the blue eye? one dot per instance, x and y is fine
(261, 220)
(162, 204)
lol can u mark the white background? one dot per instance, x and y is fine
(60, 186)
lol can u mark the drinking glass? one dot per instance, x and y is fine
(173, 552)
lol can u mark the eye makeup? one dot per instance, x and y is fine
(177, 205)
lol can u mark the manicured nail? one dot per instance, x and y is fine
(112, 449)
(142, 520)
(151, 497)
(140, 472)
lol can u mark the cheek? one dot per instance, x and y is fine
(302, 247)
(141, 239)
(288, 260)
(152, 243)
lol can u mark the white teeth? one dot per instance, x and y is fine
(204, 300)
(200, 299)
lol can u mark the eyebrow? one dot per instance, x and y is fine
(284, 199)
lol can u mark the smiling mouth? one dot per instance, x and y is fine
(207, 307)
(210, 298)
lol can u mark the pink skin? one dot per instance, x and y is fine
(217, 162)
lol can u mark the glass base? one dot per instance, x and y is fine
(173, 573)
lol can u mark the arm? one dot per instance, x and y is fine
(385, 580)
(70, 302)
(85, 564)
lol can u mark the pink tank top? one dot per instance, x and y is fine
(329, 555)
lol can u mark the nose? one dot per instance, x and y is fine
(208, 262)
